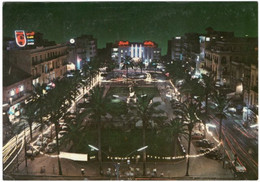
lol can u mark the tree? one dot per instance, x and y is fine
(208, 85)
(188, 112)
(222, 105)
(96, 108)
(127, 62)
(146, 110)
(58, 102)
(176, 127)
(29, 115)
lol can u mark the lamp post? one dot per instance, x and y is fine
(117, 165)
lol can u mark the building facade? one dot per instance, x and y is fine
(43, 63)
(146, 51)
(82, 50)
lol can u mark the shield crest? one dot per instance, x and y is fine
(20, 38)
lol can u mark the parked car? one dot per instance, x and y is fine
(50, 147)
(238, 169)
(214, 154)
(204, 143)
(197, 136)
(32, 151)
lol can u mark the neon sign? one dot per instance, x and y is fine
(30, 38)
(20, 38)
(123, 43)
(149, 43)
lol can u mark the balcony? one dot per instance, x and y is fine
(55, 57)
(36, 76)
(64, 63)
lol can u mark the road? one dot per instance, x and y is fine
(240, 141)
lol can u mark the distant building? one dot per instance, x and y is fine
(146, 51)
(175, 50)
(81, 50)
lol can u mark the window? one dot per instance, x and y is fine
(12, 92)
(36, 58)
(42, 68)
(32, 60)
(40, 57)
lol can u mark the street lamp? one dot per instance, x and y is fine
(117, 165)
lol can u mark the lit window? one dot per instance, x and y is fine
(121, 51)
(177, 37)
(21, 88)
(115, 49)
(207, 39)
(12, 92)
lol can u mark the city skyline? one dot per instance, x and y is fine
(133, 21)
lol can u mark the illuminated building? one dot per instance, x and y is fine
(16, 84)
(43, 63)
(175, 50)
(82, 50)
(146, 51)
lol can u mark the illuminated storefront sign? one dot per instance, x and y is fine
(148, 43)
(123, 43)
(20, 38)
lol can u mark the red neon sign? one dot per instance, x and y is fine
(20, 38)
(30, 33)
(123, 43)
(148, 43)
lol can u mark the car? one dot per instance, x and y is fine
(197, 136)
(238, 169)
(32, 151)
(204, 143)
(50, 147)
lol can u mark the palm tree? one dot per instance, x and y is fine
(29, 114)
(208, 84)
(127, 61)
(176, 70)
(141, 65)
(188, 112)
(176, 127)
(222, 105)
(41, 105)
(97, 107)
(147, 112)
(58, 101)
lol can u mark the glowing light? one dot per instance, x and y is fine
(253, 126)
(12, 93)
(207, 39)
(140, 51)
(149, 43)
(72, 41)
(142, 148)
(20, 38)
(135, 50)
(21, 88)
(95, 148)
(177, 37)
(123, 43)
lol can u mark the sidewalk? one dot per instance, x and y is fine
(199, 168)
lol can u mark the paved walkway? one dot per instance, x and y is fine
(199, 167)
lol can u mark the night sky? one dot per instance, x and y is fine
(133, 21)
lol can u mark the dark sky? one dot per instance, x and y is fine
(133, 21)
